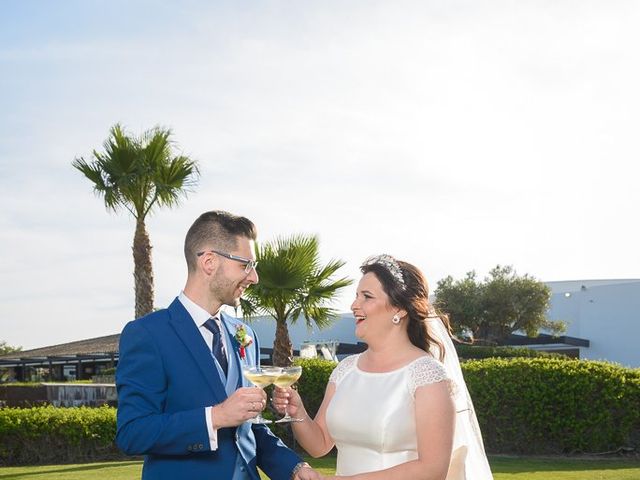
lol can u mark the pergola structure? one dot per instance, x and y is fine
(79, 360)
(85, 358)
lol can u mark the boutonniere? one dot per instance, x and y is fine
(244, 340)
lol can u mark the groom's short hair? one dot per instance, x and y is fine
(216, 229)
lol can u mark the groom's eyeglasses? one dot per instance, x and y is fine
(248, 264)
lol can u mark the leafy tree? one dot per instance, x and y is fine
(293, 284)
(6, 349)
(140, 174)
(500, 305)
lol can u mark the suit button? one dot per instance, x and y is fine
(189, 448)
(200, 446)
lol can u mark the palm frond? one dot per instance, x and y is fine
(329, 270)
(139, 173)
(174, 180)
(249, 308)
(319, 316)
(293, 282)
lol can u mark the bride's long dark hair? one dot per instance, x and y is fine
(414, 299)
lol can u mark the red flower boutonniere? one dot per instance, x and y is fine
(243, 339)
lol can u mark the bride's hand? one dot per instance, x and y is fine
(289, 398)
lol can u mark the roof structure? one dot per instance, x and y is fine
(90, 349)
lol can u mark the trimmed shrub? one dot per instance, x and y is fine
(524, 405)
(313, 382)
(545, 404)
(41, 435)
(468, 352)
(549, 405)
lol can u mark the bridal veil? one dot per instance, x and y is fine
(468, 460)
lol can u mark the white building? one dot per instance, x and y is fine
(605, 312)
(602, 316)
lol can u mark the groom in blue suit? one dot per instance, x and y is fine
(182, 400)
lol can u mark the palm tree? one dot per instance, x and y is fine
(293, 284)
(140, 174)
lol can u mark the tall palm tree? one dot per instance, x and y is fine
(140, 174)
(293, 284)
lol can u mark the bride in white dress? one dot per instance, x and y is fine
(395, 411)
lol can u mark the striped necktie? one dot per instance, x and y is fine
(217, 347)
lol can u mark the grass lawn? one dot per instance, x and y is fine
(504, 468)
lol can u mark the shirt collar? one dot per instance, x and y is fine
(198, 314)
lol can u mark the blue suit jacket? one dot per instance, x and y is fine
(166, 376)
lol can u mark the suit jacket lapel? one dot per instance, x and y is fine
(187, 331)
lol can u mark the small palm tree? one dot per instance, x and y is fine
(140, 174)
(293, 284)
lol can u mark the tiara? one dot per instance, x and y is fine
(390, 264)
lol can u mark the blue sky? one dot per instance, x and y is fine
(455, 135)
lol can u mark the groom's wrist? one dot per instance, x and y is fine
(216, 417)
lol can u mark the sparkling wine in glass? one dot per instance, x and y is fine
(287, 377)
(261, 377)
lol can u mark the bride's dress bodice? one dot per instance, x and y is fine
(371, 416)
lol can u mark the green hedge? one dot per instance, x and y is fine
(534, 405)
(524, 405)
(313, 382)
(550, 405)
(42, 435)
(468, 352)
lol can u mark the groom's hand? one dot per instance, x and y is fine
(243, 404)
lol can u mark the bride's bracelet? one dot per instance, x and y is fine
(297, 468)
(307, 417)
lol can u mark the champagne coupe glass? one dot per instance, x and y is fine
(261, 377)
(288, 377)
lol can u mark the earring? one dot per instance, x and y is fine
(396, 319)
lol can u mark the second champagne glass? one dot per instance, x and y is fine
(288, 377)
(261, 377)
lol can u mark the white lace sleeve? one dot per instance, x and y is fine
(425, 371)
(341, 370)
